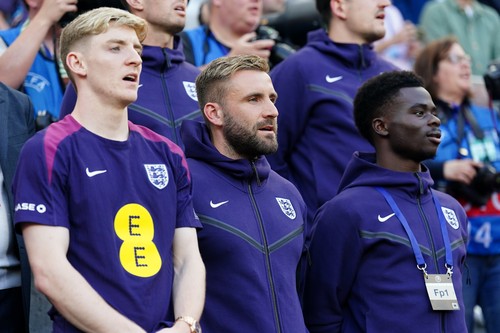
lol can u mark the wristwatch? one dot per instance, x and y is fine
(194, 325)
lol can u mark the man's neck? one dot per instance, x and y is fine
(159, 39)
(107, 121)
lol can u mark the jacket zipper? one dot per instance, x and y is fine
(429, 234)
(266, 250)
(168, 106)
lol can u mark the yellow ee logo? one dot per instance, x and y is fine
(138, 254)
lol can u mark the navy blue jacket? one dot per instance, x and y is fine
(167, 94)
(363, 275)
(18, 125)
(251, 242)
(317, 136)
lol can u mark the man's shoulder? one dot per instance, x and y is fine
(195, 33)
(151, 136)
(8, 92)
(436, 8)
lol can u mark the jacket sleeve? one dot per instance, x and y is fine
(336, 252)
(293, 110)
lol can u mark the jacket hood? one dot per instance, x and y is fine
(154, 57)
(362, 171)
(198, 145)
(353, 55)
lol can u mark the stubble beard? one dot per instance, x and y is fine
(245, 142)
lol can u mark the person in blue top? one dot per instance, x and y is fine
(317, 85)
(167, 95)
(253, 219)
(29, 61)
(388, 251)
(466, 165)
(231, 30)
(105, 205)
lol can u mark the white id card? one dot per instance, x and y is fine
(441, 292)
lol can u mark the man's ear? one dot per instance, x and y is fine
(76, 63)
(213, 113)
(379, 126)
(135, 4)
(339, 9)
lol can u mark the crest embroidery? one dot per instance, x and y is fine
(287, 208)
(451, 217)
(190, 88)
(157, 174)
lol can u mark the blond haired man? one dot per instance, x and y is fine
(105, 205)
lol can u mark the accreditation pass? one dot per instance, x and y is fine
(441, 292)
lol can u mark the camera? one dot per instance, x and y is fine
(280, 50)
(86, 5)
(481, 188)
(492, 80)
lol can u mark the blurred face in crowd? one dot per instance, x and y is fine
(273, 6)
(165, 15)
(243, 16)
(453, 76)
(364, 19)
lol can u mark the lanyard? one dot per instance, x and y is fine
(421, 265)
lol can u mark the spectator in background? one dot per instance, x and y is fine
(231, 30)
(400, 44)
(316, 86)
(475, 25)
(385, 242)
(167, 95)
(16, 126)
(470, 141)
(29, 61)
(253, 228)
(12, 12)
(273, 7)
(121, 257)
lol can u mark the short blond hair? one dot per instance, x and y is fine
(211, 82)
(95, 22)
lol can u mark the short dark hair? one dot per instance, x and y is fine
(323, 8)
(376, 96)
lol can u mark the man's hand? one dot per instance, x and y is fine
(247, 44)
(53, 10)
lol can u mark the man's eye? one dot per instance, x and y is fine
(116, 48)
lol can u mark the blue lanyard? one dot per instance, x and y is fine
(414, 244)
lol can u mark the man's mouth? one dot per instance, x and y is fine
(131, 77)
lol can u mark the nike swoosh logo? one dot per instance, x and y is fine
(94, 173)
(333, 79)
(215, 205)
(385, 218)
